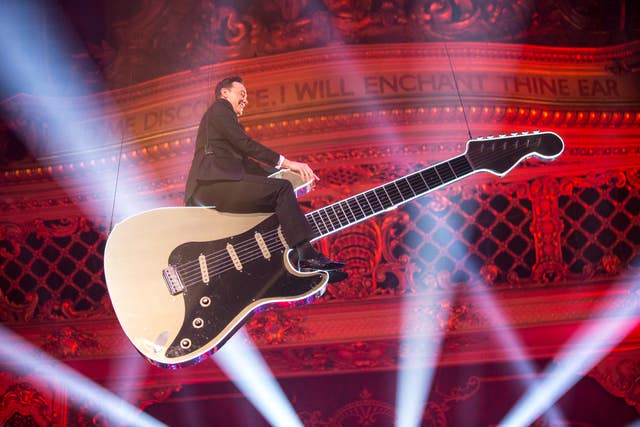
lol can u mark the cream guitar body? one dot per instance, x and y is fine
(237, 264)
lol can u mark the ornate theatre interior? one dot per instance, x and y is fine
(505, 295)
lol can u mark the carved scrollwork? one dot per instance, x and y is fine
(360, 247)
(18, 313)
(361, 355)
(160, 393)
(612, 265)
(618, 179)
(69, 341)
(546, 228)
(366, 410)
(620, 376)
(438, 317)
(10, 234)
(24, 400)
(337, 357)
(54, 309)
(456, 19)
(633, 177)
(220, 31)
(276, 327)
(61, 228)
(163, 37)
(400, 266)
(300, 24)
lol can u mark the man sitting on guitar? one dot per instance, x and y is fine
(224, 174)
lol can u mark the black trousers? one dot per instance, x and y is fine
(253, 194)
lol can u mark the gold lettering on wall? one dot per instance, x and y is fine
(329, 91)
(363, 87)
(332, 91)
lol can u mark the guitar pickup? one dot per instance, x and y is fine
(173, 281)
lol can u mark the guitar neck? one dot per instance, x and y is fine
(360, 207)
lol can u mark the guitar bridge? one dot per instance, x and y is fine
(172, 279)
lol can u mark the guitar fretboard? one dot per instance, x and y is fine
(357, 208)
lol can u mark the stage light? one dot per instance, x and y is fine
(244, 365)
(417, 360)
(22, 358)
(418, 356)
(71, 122)
(512, 343)
(585, 348)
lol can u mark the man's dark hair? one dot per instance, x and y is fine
(226, 83)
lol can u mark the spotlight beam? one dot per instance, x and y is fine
(418, 360)
(24, 358)
(242, 363)
(583, 351)
(69, 122)
(509, 340)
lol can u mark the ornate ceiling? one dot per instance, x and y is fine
(162, 37)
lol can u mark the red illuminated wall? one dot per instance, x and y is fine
(550, 241)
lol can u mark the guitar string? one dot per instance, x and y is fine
(230, 267)
(250, 242)
(246, 257)
(214, 256)
(340, 217)
(274, 246)
(192, 268)
(338, 207)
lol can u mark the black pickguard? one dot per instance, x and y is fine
(232, 292)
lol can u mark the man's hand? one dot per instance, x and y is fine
(301, 169)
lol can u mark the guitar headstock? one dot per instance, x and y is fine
(500, 154)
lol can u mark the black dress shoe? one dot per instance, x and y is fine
(319, 262)
(336, 276)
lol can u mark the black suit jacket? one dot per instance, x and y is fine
(224, 151)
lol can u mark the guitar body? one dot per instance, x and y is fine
(178, 328)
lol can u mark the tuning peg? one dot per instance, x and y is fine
(525, 133)
(536, 131)
(502, 135)
(514, 133)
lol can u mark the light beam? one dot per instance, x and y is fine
(242, 363)
(21, 357)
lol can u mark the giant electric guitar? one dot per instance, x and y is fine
(182, 280)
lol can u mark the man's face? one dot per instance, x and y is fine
(237, 96)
